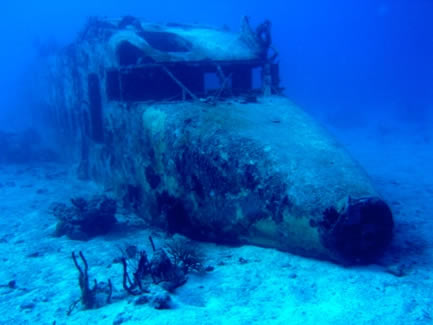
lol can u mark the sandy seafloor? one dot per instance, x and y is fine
(272, 287)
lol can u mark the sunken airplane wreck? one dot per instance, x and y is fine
(187, 124)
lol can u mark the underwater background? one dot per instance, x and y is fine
(363, 70)
(351, 59)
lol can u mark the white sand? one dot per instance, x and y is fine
(271, 288)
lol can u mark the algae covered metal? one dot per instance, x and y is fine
(186, 124)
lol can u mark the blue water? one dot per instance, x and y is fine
(369, 56)
(363, 68)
